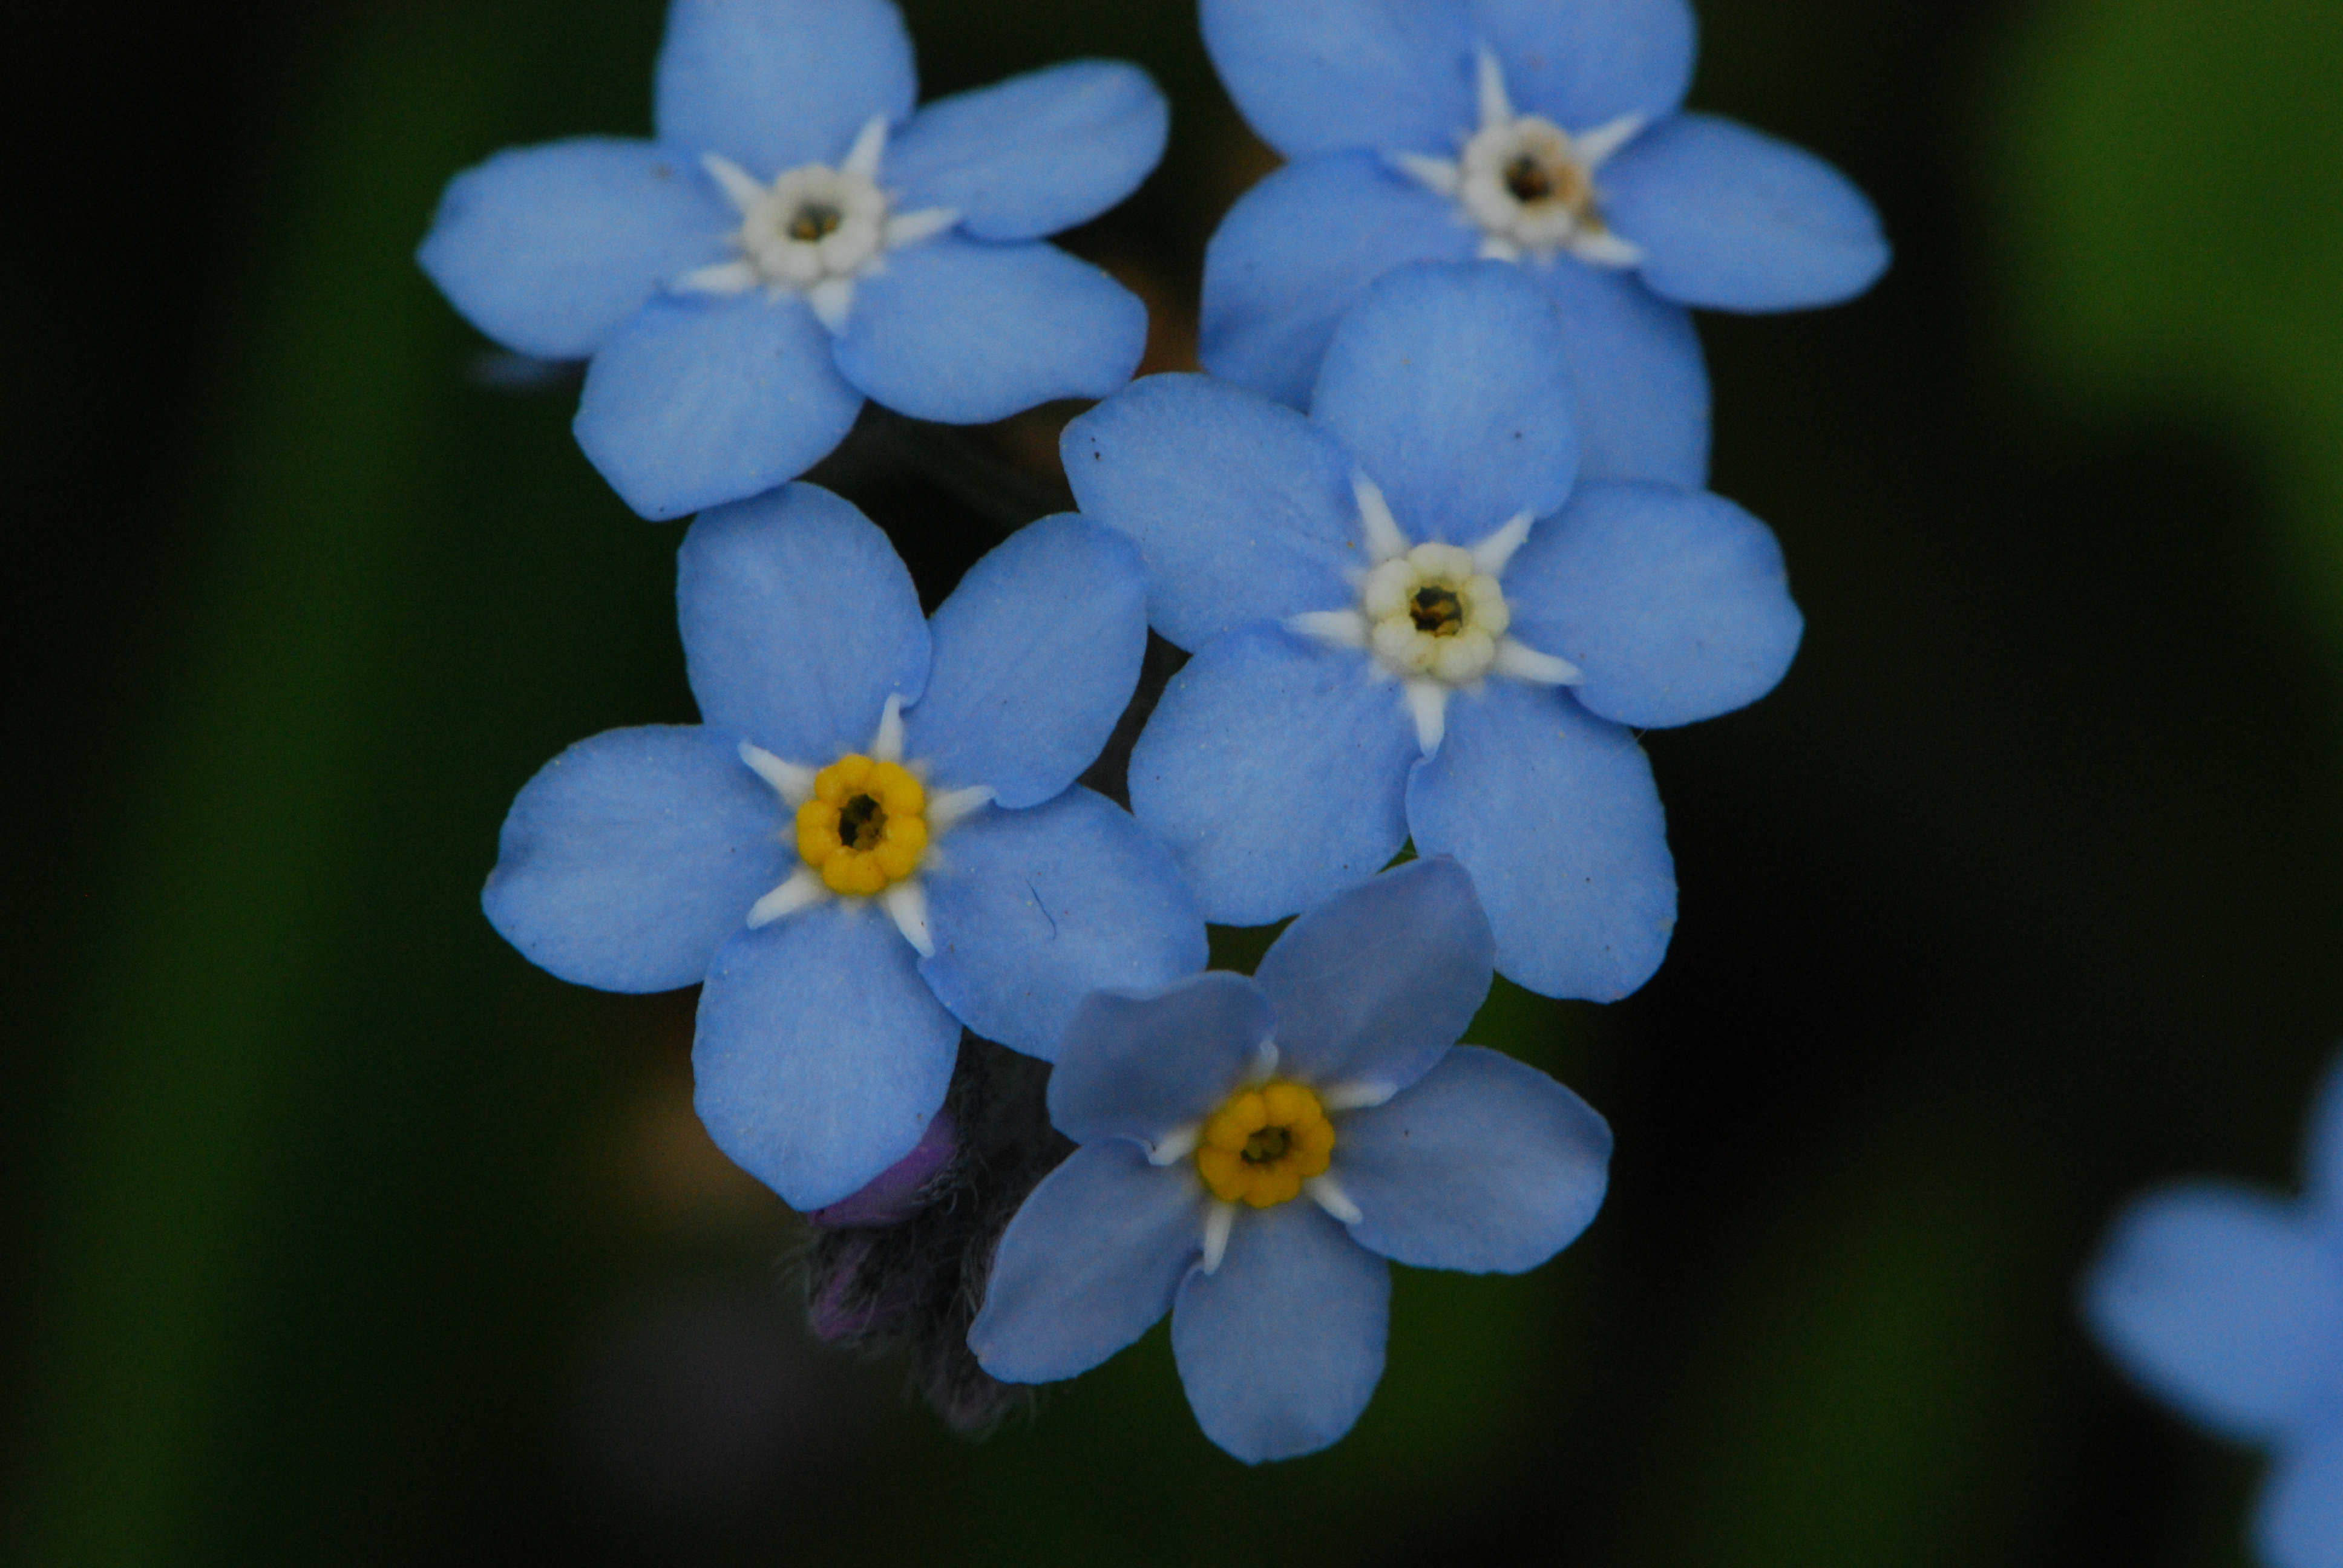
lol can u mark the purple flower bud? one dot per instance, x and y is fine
(893, 1195)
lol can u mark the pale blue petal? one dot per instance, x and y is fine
(2224, 1303)
(965, 333)
(1140, 1066)
(631, 856)
(1088, 1265)
(1314, 75)
(1485, 1164)
(549, 249)
(2299, 1519)
(1032, 911)
(699, 401)
(774, 84)
(1241, 507)
(1032, 154)
(1675, 603)
(1036, 655)
(1280, 1348)
(1373, 985)
(1276, 770)
(1639, 381)
(1554, 813)
(2325, 1159)
(799, 623)
(1732, 219)
(1297, 252)
(822, 1056)
(1450, 384)
(1585, 63)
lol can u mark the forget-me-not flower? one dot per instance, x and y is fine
(797, 239)
(1543, 132)
(874, 837)
(1252, 1150)
(1407, 621)
(2227, 1303)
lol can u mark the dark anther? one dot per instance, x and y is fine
(1436, 610)
(814, 220)
(858, 824)
(1267, 1146)
(1527, 179)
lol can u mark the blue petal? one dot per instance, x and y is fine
(1241, 507)
(1034, 911)
(1139, 1067)
(774, 84)
(1032, 154)
(1485, 1164)
(2298, 1520)
(1036, 655)
(1295, 254)
(549, 249)
(1673, 602)
(1639, 383)
(2325, 1159)
(1275, 769)
(631, 856)
(1554, 813)
(966, 333)
(1280, 1348)
(799, 623)
(1088, 1265)
(1373, 985)
(2224, 1303)
(1315, 75)
(700, 402)
(1450, 384)
(1585, 63)
(1732, 219)
(822, 1056)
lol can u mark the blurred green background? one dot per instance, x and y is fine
(335, 1233)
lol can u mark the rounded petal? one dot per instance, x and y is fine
(1275, 769)
(1486, 1165)
(1316, 75)
(1241, 507)
(1451, 385)
(1675, 603)
(774, 84)
(1281, 1348)
(966, 333)
(1088, 1265)
(1035, 154)
(1585, 63)
(2298, 1520)
(698, 401)
(2224, 1303)
(549, 249)
(1373, 985)
(631, 856)
(1032, 911)
(1037, 652)
(1297, 252)
(1554, 813)
(799, 623)
(1732, 219)
(822, 1056)
(1638, 380)
(1139, 1066)
(2325, 1159)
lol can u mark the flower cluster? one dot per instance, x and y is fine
(1434, 534)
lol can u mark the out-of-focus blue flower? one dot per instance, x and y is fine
(1543, 132)
(2227, 1303)
(797, 239)
(1253, 1150)
(1406, 621)
(874, 837)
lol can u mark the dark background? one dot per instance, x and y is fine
(335, 1233)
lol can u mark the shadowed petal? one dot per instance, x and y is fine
(1639, 383)
(774, 84)
(1032, 154)
(1143, 1066)
(1316, 75)
(1585, 63)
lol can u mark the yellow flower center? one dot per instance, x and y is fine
(1264, 1143)
(865, 826)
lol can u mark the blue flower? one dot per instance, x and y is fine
(874, 838)
(2227, 1303)
(1542, 132)
(1206, 1110)
(797, 239)
(1407, 622)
